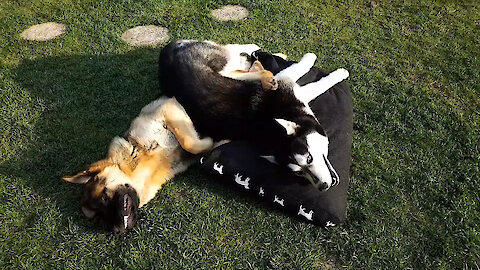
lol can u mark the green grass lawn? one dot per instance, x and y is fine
(414, 200)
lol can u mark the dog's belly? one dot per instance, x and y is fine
(150, 134)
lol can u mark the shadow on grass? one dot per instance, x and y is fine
(85, 102)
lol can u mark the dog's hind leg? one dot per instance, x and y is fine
(256, 73)
(297, 70)
(180, 124)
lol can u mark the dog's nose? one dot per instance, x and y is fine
(323, 186)
(127, 185)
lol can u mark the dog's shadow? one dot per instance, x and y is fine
(80, 103)
(83, 101)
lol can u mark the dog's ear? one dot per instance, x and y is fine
(120, 150)
(80, 178)
(84, 176)
(289, 126)
(88, 213)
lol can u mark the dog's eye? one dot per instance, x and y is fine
(104, 195)
(309, 158)
(300, 173)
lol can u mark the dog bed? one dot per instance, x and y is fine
(240, 165)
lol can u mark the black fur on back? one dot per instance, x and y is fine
(190, 73)
(224, 108)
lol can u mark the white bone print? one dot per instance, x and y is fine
(217, 167)
(302, 212)
(261, 192)
(330, 224)
(277, 200)
(244, 183)
(201, 160)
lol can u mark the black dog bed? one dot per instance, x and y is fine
(240, 164)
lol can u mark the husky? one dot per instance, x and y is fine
(225, 102)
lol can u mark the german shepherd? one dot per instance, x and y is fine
(138, 164)
(203, 76)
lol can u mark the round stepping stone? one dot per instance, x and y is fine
(149, 35)
(44, 31)
(230, 13)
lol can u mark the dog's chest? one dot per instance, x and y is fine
(152, 134)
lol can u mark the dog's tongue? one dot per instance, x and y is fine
(127, 206)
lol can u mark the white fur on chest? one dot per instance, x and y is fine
(149, 129)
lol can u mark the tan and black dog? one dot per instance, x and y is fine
(137, 165)
(160, 143)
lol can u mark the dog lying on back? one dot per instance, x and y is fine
(203, 76)
(152, 151)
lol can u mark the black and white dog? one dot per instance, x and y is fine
(225, 102)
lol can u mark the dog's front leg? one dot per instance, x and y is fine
(297, 70)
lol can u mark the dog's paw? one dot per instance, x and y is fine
(269, 82)
(208, 143)
(309, 58)
(256, 66)
(341, 73)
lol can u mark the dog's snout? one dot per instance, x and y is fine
(323, 186)
(317, 182)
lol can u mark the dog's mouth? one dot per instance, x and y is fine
(127, 211)
(124, 213)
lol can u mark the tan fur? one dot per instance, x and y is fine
(256, 73)
(144, 161)
(154, 170)
(181, 125)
